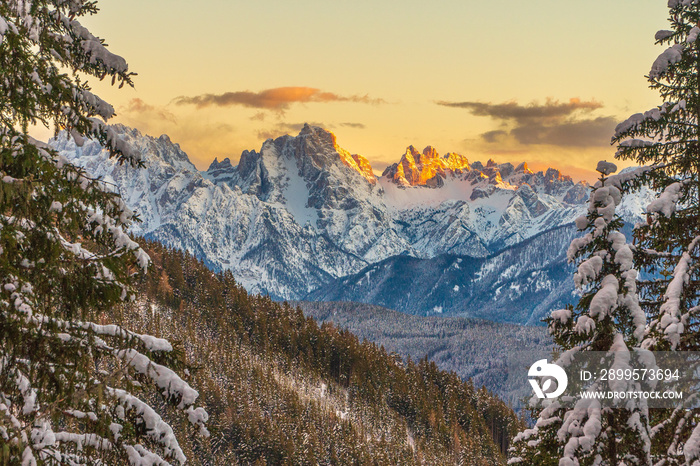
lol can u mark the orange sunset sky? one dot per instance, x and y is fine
(541, 81)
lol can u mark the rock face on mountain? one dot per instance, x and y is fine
(520, 284)
(302, 211)
(426, 169)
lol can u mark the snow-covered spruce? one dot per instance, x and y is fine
(608, 318)
(668, 252)
(69, 387)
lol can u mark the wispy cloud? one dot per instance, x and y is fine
(494, 136)
(353, 125)
(139, 107)
(552, 109)
(575, 133)
(279, 98)
(565, 124)
(193, 133)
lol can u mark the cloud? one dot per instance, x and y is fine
(575, 133)
(139, 107)
(552, 109)
(193, 133)
(279, 98)
(494, 136)
(564, 124)
(353, 125)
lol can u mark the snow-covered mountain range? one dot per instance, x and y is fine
(303, 212)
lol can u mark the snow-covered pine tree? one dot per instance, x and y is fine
(667, 138)
(68, 385)
(608, 319)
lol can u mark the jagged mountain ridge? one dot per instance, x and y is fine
(302, 211)
(520, 284)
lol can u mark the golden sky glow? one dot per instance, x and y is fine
(541, 81)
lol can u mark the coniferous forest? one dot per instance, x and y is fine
(280, 389)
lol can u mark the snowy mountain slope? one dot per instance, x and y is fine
(302, 211)
(521, 284)
(254, 221)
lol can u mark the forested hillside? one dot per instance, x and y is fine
(475, 349)
(280, 389)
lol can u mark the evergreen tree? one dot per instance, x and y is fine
(607, 318)
(68, 385)
(667, 140)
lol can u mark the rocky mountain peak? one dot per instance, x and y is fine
(364, 167)
(425, 169)
(578, 194)
(522, 168)
(318, 137)
(302, 211)
(313, 157)
(222, 171)
(223, 165)
(429, 153)
(540, 190)
(456, 161)
(552, 174)
(322, 147)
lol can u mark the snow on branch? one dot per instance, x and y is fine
(626, 176)
(156, 429)
(82, 440)
(671, 322)
(150, 342)
(578, 244)
(582, 425)
(666, 203)
(663, 34)
(139, 456)
(113, 142)
(94, 104)
(174, 388)
(588, 271)
(91, 45)
(606, 168)
(634, 144)
(675, 3)
(636, 121)
(669, 57)
(693, 35)
(691, 449)
(605, 299)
